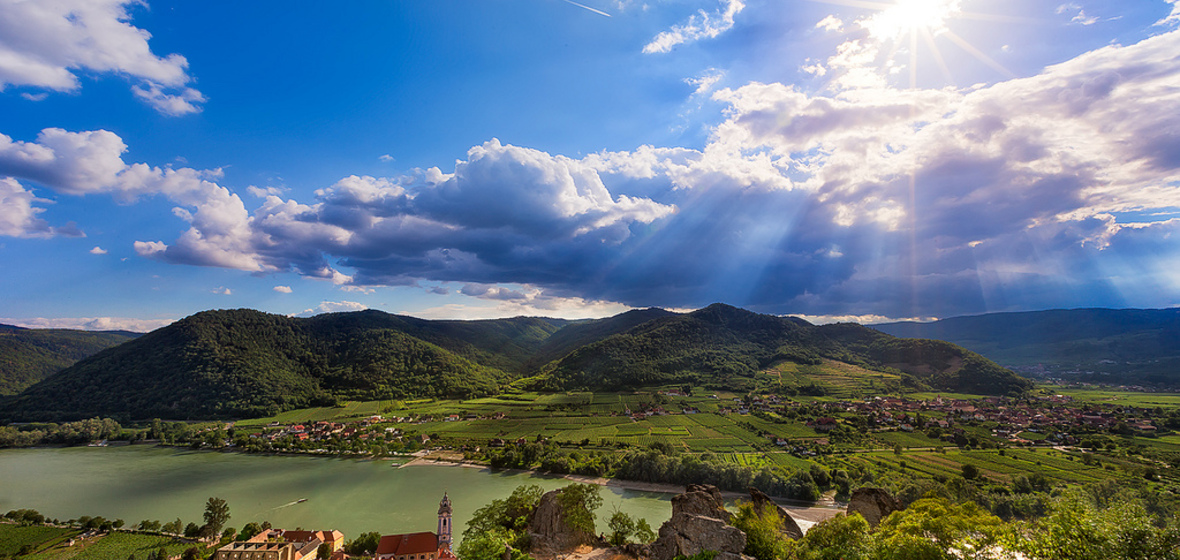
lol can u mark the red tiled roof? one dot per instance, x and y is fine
(412, 543)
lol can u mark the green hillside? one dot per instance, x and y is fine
(245, 363)
(30, 355)
(1111, 345)
(581, 333)
(241, 363)
(726, 347)
(505, 344)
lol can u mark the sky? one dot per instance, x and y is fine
(833, 159)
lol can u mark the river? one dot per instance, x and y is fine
(351, 495)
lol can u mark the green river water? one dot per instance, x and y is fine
(353, 496)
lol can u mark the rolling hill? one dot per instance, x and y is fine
(726, 347)
(244, 363)
(1132, 346)
(30, 355)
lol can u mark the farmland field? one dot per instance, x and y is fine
(50, 543)
(13, 537)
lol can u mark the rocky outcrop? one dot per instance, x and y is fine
(549, 532)
(699, 522)
(874, 504)
(701, 499)
(762, 503)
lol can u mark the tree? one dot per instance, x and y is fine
(151, 525)
(970, 472)
(216, 515)
(936, 529)
(843, 537)
(764, 539)
(192, 530)
(643, 532)
(621, 528)
(490, 545)
(323, 552)
(249, 530)
(511, 513)
(174, 527)
(365, 544)
(578, 502)
(191, 553)
(1076, 529)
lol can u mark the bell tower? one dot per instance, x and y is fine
(444, 522)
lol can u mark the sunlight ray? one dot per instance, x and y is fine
(941, 62)
(963, 44)
(913, 59)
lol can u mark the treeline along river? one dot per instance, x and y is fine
(353, 496)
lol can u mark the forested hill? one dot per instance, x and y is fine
(30, 355)
(243, 363)
(240, 363)
(725, 346)
(1123, 345)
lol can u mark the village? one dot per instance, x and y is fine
(279, 544)
(988, 421)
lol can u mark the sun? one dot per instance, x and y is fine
(903, 17)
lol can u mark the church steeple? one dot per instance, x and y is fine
(444, 522)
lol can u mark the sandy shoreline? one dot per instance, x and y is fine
(806, 516)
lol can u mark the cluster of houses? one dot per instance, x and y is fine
(1012, 418)
(318, 431)
(277, 544)
(1045, 415)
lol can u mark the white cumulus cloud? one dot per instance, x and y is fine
(18, 216)
(48, 44)
(332, 307)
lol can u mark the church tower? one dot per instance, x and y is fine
(444, 523)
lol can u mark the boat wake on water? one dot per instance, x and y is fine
(289, 504)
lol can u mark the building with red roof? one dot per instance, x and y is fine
(424, 545)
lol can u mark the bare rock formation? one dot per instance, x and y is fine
(699, 522)
(762, 502)
(550, 532)
(874, 504)
(701, 499)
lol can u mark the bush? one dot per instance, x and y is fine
(764, 537)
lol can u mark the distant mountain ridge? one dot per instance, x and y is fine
(30, 355)
(1112, 345)
(720, 342)
(240, 363)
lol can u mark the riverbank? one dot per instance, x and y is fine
(137, 483)
(806, 515)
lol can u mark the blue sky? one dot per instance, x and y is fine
(847, 159)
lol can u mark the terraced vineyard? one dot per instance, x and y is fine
(1059, 466)
(13, 538)
(710, 422)
(52, 543)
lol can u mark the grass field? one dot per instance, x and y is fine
(51, 543)
(13, 537)
(1132, 398)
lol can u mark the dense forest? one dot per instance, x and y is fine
(725, 347)
(30, 355)
(245, 363)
